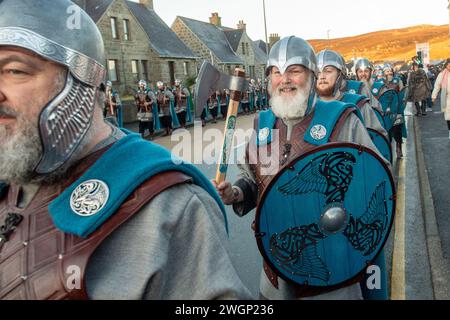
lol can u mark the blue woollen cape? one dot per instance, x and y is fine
(126, 165)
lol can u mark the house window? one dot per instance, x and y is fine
(144, 68)
(135, 70)
(243, 48)
(112, 70)
(248, 51)
(252, 72)
(114, 28)
(229, 69)
(186, 68)
(126, 28)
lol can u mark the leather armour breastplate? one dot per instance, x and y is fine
(39, 261)
(287, 150)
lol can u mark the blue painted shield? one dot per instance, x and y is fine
(380, 117)
(326, 216)
(390, 102)
(382, 143)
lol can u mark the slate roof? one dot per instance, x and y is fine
(214, 38)
(234, 37)
(96, 8)
(260, 55)
(261, 44)
(161, 38)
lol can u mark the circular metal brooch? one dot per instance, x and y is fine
(318, 132)
(89, 198)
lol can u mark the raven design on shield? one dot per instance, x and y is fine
(329, 174)
(296, 249)
(296, 252)
(365, 233)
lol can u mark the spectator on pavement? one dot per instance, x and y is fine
(443, 84)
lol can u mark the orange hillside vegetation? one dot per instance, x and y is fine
(391, 45)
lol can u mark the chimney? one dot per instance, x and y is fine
(80, 3)
(215, 19)
(147, 3)
(241, 25)
(273, 38)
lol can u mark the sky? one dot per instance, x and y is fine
(310, 19)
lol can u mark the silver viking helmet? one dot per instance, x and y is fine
(363, 64)
(330, 58)
(290, 51)
(327, 58)
(61, 32)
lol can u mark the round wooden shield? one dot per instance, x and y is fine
(380, 117)
(389, 101)
(326, 216)
(382, 143)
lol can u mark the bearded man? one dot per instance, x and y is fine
(92, 212)
(364, 82)
(292, 72)
(330, 83)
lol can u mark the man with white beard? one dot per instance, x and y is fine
(329, 85)
(292, 73)
(91, 211)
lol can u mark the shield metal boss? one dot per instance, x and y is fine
(389, 100)
(326, 216)
(382, 143)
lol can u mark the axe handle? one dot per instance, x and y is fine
(230, 125)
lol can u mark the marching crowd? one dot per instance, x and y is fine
(166, 108)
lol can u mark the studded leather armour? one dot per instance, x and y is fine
(39, 261)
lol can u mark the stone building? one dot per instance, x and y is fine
(224, 47)
(138, 44)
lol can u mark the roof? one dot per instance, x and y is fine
(260, 55)
(261, 44)
(213, 38)
(234, 37)
(161, 37)
(96, 8)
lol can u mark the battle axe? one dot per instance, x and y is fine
(210, 80)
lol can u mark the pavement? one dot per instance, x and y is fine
(434, 172)
(418, 249)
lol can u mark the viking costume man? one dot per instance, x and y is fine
(329, 58)
(144, 99)
(113, 105)
(363, 83)
(182, 96)
(331, 67)
(165, 99)
(92, 211)
(292, 129)
(398, 130)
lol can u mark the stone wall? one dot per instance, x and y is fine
(138, 48)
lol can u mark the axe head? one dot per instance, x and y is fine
(210, 80)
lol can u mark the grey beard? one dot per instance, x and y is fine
(291, 108)
(22, 152)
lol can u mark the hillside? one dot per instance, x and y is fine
(391, 45)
